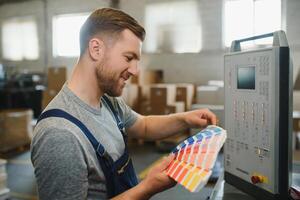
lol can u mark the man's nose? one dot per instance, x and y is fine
(133, 68)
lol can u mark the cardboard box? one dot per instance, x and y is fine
(162, 94)
(145, 93)
(175, 107)
(150, 109)
(147, 77)
(48, 95)
(134, 80)
(146, 108)
(16, 128)
(185, 93)
(57, 76)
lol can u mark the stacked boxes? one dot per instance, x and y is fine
(57, 76)
(166, 98)
(4, 191)
(163, 99)
(185, 93)
(152, 97)
(161, 95)
(147, 77)
(16, 128)
(137, 91)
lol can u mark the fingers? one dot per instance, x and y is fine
(203, 122)
(210, 116)
(166, 161)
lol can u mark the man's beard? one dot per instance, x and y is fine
(107, 82)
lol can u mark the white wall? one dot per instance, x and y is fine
(33, 8)
(56, 7)
(190, 67)
(44, 11)
(208, 64)
(293, 32)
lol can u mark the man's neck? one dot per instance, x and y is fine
(83, 83)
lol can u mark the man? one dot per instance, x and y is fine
(79, 147)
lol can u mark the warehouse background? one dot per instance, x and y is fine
(171, 80)
(193, 67)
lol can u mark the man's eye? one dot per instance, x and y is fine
(128, 59)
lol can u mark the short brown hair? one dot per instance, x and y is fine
(110, 21)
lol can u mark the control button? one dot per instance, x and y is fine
(258, 151)
(256, 179)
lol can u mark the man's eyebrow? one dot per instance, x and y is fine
(134, 55)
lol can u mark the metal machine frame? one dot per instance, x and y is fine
(283, 159)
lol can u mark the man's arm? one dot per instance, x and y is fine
(161, 126)
(155, 182)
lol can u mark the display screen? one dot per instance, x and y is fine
(246, 78)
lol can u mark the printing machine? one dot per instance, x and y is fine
(258, 119)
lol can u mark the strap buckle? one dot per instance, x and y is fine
(121, 126)
(101, 151)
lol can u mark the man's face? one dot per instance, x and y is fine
(119, 63)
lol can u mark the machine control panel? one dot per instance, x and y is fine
(249, 116)
(258, 118)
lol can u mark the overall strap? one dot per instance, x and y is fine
(60, 113)
(116, 115)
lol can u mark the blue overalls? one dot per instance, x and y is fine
(120, 175)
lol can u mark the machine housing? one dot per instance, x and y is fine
(258, 118)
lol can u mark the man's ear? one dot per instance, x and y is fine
(96, 49)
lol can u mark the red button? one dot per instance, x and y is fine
(256, 179)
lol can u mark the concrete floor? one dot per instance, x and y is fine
(22, 184)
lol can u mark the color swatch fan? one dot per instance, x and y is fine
(195, 158)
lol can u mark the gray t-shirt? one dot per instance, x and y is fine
(66, 166)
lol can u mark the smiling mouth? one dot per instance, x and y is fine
(125, 77)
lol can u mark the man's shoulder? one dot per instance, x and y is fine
(54, 127)
(50, 127)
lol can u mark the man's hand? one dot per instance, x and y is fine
(200, 118)
(157, 180)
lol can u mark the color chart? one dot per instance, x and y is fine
(195, 158)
